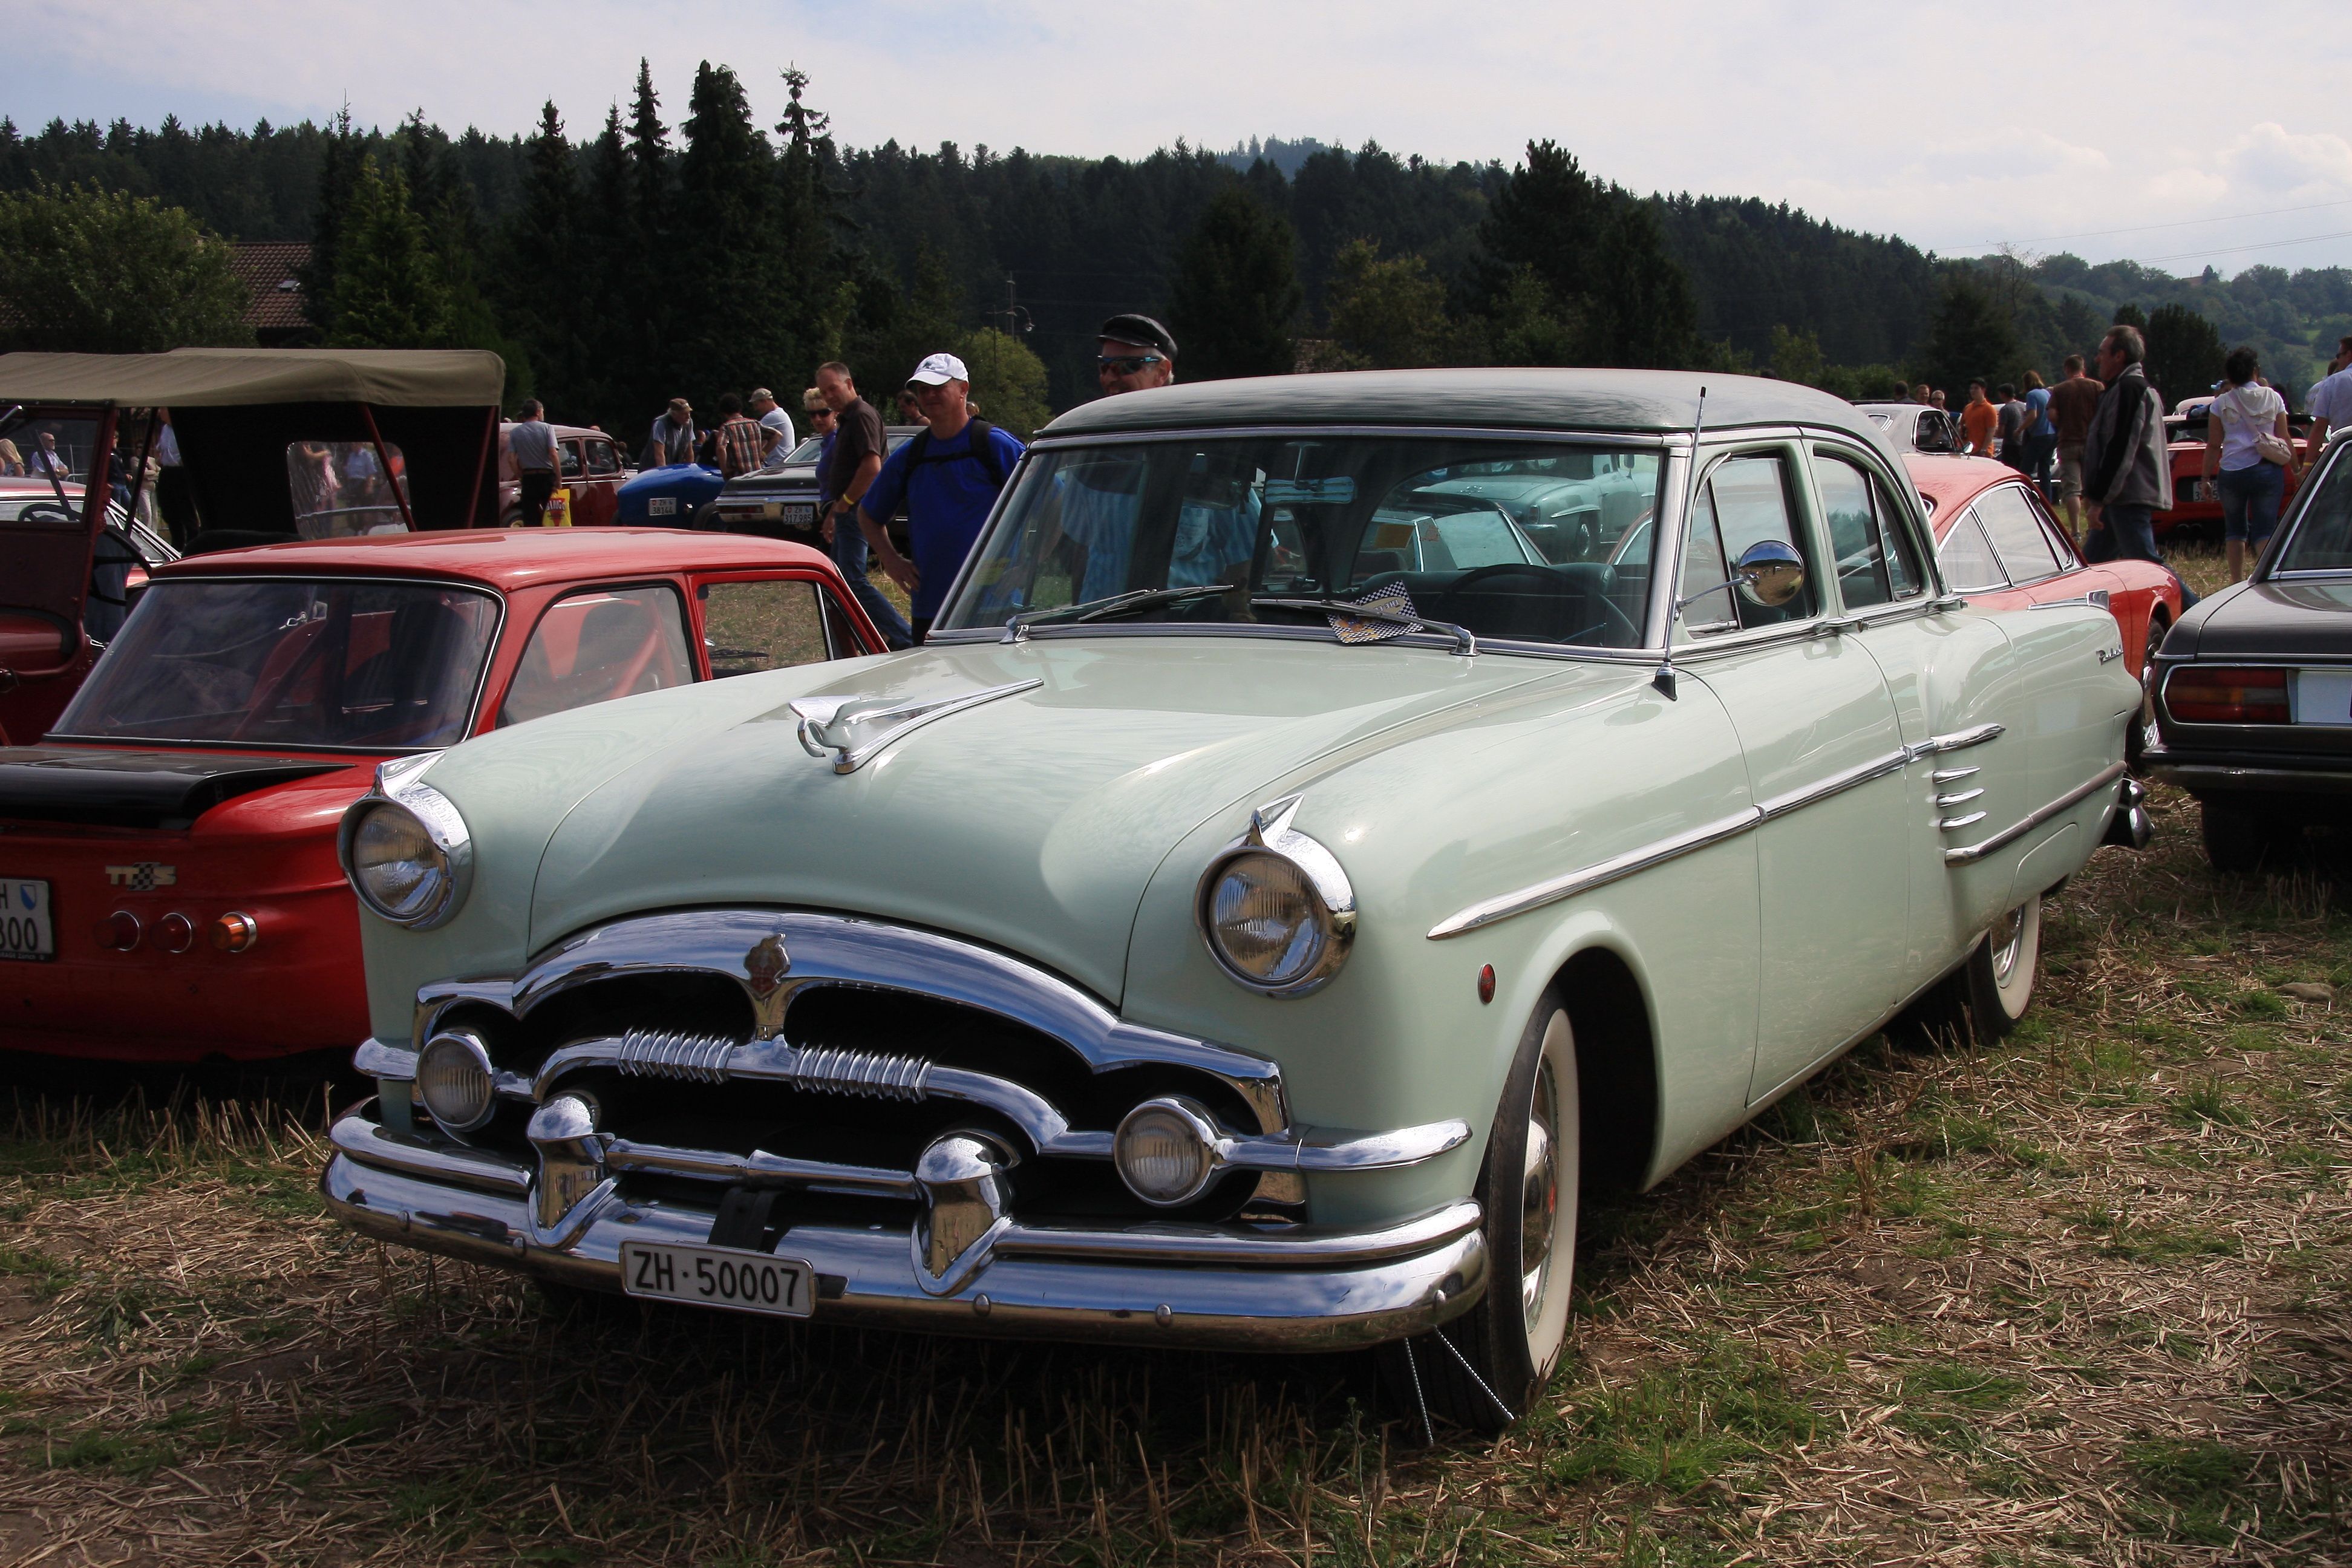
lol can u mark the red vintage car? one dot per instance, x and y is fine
(2196, 502)
(167, 852)
(1997, 541)
(594, 469)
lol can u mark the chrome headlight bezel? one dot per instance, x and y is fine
(1332, 903)
(468, 1047)
(1201, 1129)
(398, 788)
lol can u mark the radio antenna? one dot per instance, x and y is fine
(1663, 678)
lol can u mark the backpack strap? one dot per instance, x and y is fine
(980, 449)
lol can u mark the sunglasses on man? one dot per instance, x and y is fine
(1125, 364)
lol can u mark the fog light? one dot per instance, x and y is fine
(175, 932)
(454, 1080)
(235, 932)
(118, 931)
(1166, 1151)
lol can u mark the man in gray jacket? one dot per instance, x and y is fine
(2127, 472)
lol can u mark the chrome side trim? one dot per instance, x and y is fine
(1958, 798)
(1952, 775)
(376, 1059)
(358, 1139)
(827, 722)
(1639, 440)
(1245, 1246)
(1968, 854)
(1600, 875)
(1954, 824)
(1958, 741)
(1781, 805)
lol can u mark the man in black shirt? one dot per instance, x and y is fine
(859, 448)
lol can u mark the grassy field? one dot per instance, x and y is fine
(2086, 1297)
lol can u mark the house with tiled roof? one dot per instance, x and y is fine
(270, 271)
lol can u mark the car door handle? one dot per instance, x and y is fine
(1837, 625)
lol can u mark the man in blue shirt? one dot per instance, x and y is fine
(947, 478)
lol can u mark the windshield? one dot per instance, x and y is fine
(806, 452)
(1533, 541)
(376, 666)
(2322, 540)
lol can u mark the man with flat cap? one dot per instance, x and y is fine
(1135, 351)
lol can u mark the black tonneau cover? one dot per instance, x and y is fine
(134, 789)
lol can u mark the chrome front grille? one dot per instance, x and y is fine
(878, 1075)
(671, 1053)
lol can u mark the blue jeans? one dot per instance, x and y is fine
(849, 554)
(2249, 501)
(2134, 529)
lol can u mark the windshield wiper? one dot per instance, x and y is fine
(1017, 628)
(1463, 642)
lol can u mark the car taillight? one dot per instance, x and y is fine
(2198, 694)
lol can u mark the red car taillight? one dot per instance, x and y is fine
(2215, 695)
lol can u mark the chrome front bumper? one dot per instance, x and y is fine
(1246, 1286)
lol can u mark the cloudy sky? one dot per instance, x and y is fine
(2155, 130)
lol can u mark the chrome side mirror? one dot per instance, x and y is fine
(1770, 573)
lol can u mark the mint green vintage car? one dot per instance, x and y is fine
(1266, 902)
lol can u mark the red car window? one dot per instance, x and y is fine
(1967, 560)
(597, 644)
(771, 623)
(2017, 537)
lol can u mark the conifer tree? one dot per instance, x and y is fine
(1236, 291)
(339, 177)
(388, 293)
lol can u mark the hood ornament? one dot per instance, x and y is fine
(855, 731)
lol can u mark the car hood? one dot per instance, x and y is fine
(1031, 820)
(2275, 620)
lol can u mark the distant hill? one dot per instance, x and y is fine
(1285, 156)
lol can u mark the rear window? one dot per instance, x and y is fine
(307, 665)
(341, 490)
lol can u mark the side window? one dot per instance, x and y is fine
(1874, 563)
(1744, 502)
(750, 627)
(570, 459)
(2017, 537)
(1966, 558)
(603, 459)
(594, 646)
(2054, 531)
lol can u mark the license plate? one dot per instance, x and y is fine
(803, 513)
(718, 1276)
(2323, 696)
(661, 506)
(24, 930)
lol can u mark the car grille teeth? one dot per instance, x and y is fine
(672, 1053)
(881, 1074)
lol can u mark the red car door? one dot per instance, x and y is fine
(752, 621)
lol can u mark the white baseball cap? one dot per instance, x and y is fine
(941, 369)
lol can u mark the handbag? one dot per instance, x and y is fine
(2267, 446)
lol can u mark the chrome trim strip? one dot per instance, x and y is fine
(1596, 876)
(820, 717)
(1952, 775)
(1957, 740)
(1781, 805)
(1958, 798)
(376, 1059)
(1047, 441)
(1954, 824)
(759, 1168)
(1246, 1246)
(2194, 776)
(1968, 853)
(371, 1144)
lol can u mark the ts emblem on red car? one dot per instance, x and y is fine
(143, 878)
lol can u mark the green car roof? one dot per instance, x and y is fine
(1514, 399)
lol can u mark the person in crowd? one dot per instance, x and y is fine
(1132, 352)
(2072, 403)
(1902, 392)
(1922, 394)
(311, 478)
(2040, 436)
(740, 444)
(47, 461)
(672, 441)
(361, 473)
(949, 478)
(12, 461)
(533, 443)
(2330, 403)
(2252, 485)
(2127, 471)
(853, 454)
(762, 405)
(910, 412)
(1936, 399)
(2010, 438)
(1981, 419)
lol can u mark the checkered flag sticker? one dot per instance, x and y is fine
(1391, 598)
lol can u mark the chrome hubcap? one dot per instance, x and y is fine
(1539, 1197)
(2007, 938)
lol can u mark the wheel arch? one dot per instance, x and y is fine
(1616, 1065)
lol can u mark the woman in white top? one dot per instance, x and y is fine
(2251, 484)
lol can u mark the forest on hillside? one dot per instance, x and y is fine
(675, 245)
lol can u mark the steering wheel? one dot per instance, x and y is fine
(634, 669)
(1612, 616)
(45, 511)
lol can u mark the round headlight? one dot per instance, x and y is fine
(454, 1080)
(1267, 923)
(1166, 1152)
(395, 865)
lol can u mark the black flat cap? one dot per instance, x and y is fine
(1141, 330)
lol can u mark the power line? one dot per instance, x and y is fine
(2181, 222)
(2263, 244)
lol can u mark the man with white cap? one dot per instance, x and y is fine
(947, 477)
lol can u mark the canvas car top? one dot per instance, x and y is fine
(1505, 399)
(217, 378)
(510, 558)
